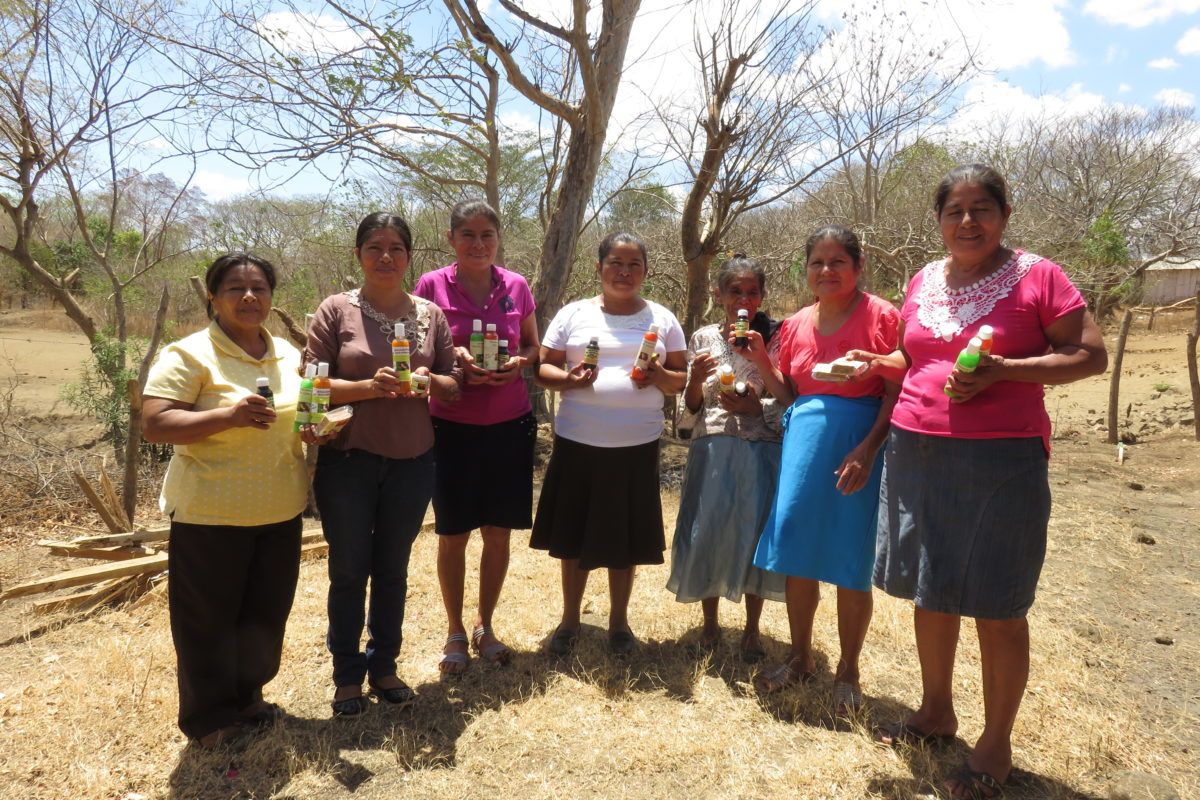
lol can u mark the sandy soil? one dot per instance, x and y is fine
(36, 363)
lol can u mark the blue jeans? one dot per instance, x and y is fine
(371, 510)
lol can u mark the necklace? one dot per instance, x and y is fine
(386, 323)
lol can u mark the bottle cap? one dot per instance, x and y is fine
(477, 325)
(491, 327)
(725, 369)
(985, 331)
(653, 329)
(974, 345)
(743, 313)
(323, 369)
(310, 370)
(263, 382)
(504, 342)
(595, 340)
(399, 330)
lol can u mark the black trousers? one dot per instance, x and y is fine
(230, 591)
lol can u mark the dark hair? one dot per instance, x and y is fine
(377, 222)
(840, 234)
(218, 269)
(736, 267)
(991, 181)
(618, 238)
(472, 208)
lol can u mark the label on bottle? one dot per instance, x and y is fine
(491, 354)
(303, 408)
(591, 355)
(643, 358)
(266, 393)
(320, 404)
(739, 330)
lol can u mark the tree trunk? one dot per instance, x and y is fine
(1114, 385)
(133, 444)
(697, 289)
(1193, 372)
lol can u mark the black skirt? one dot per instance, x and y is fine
(484, 475)
(601, 505)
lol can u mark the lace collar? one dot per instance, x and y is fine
(415, 327)
(948, 312)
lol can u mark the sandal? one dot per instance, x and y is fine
(454, 663)
(497, 652)
(401, 695)
(351, 706)
(902, 733)
(563, 641)
(978, 785)
(780, 678)
(847, 698)
(752, 653)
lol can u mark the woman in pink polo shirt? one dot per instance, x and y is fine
(485, 441)
(965, 501)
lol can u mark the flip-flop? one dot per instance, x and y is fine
(979, 785)
(780, 678)
(497, 652)
(902, 733)
(454, 664)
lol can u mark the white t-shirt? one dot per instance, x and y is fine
(613, 411)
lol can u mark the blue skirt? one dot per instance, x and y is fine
(728, 487)
(815, 531)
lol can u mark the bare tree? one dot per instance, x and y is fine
(597, 59)
(73, 105)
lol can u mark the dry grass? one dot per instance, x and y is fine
(88, 711)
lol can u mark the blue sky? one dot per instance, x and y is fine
(1043, 57)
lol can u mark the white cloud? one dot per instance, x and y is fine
(1139, 13)
(217, 186)
(1124, 87)
(1189, 45)
(1163, 63)
(991, 105)
(305, 33)
(1176, 97)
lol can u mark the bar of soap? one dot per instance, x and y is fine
(839, 370)
(334, 420)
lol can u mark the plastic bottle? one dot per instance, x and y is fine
(741, 389)
(401, 360)
(725, 378)
(321, 391)
(967, 361)
(649, 341)
(985, 337)
(304, 401)
(501, 353)
(591, 355)
(741, 327)
(475, 345)
(264, 390)
(491, 346)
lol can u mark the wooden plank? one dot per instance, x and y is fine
(126, 537)
(314, 550)
(121, 589)
(109, 520)
(86, 575)
(118, 553)
(110, 496)
(71, 601)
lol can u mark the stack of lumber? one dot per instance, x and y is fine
(133, 562)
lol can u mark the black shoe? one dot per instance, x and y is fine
(563, 641)
(349, 706)
(621, 643)
(401, 695)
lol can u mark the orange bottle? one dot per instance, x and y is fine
(401, 360)
(645, 352)
(491, 349)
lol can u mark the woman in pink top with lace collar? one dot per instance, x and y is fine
(965, 501)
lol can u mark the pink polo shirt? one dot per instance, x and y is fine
(1019, 301)
(509, 302)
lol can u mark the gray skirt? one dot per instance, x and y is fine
(962, 523)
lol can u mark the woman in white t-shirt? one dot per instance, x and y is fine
(600, 504)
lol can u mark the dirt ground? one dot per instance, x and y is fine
(1115, 683)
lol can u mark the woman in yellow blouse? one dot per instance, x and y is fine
(235, 490)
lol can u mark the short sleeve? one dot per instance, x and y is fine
(175, 376)
(558, 331)
(786, 339)
(1057, 295)
(323, 344)
(673, 339)
(887, 335)
(444, 360)
(424, 287)
(524, 298)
